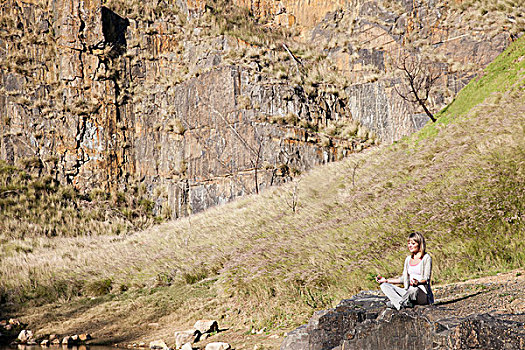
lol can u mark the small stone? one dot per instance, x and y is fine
(158, 344)
(218, 346)
(153, 324)
(52, 337)
(24, 336)
(14, 322)
(44, 342)
(74, 338)
(142, 344)
(55, 341)
(190, 336)
(84, 336)
(206, 326)
(67, 341)
(187, 346)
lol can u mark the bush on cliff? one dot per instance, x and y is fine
(34, 206)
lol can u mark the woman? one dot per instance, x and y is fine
(415, 279)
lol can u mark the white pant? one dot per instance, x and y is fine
(399, 295)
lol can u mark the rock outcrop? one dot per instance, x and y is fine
(366, 39)
(363, 322)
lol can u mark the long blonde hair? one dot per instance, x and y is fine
(418, 237)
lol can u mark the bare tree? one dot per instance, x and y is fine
(355, 165)
(294, 200)
(419, 76)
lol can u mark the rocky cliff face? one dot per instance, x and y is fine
(139, 95)
(95, 98)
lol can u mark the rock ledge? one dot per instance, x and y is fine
(363, 322)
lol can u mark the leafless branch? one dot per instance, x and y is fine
(419, 76)
(294, 200)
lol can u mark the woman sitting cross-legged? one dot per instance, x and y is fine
(416, 276)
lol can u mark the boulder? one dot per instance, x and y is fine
(158, 344)
(14, 322)
(84, 337)
(187, 346)
(363, 322)
(190, 336)
(206, 326)
(68, 341)
(24, 336)
(218, 346)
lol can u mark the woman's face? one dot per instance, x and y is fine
(413, 246)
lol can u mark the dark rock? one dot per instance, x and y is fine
(10, 330)
(363, 322)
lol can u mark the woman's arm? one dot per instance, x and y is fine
(427, 269)
(381, 280)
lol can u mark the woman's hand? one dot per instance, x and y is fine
(380, 279)
(414, 282)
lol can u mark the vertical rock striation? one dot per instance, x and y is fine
(99, 110)
(101, 100)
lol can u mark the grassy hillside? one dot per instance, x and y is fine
(256, 263)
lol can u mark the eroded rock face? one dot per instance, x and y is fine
(95, 98)
(363, 322)
(100, 100)
(371, 39)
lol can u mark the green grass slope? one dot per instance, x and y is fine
(256, 263)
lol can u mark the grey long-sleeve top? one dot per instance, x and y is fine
(426, 273)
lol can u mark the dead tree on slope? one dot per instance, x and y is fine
(419, 76)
